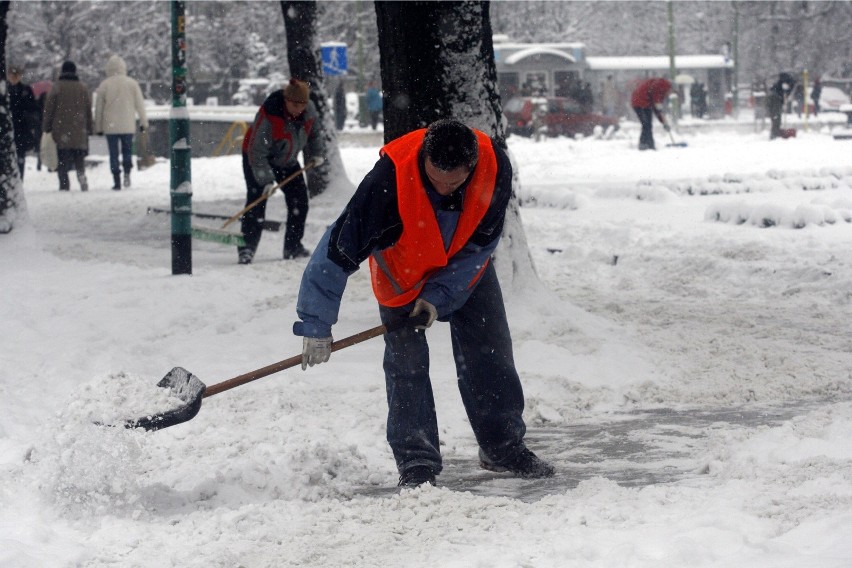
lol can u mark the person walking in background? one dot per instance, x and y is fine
(586, 97)
(40, 89)
(609, 97)
(25, 114)
(119, 100)
(339, 106)
(816, 93)
(798, 99)
(775, 100)
(283, 126)
(429, 216)
(374, 104)
(68, 118)
(698, 100)
(647, 100)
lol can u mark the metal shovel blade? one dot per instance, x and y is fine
(191, 390)
(183, 385)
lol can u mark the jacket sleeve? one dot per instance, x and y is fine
(260, 148)
(89, 121)
(449, 288)
(320, 292)
(316, 143)
(100, 93)
(139, 103)
(49, 112)
(369, 222)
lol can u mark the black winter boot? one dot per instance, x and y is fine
(522, 464)
(116, 181)
(416, 476)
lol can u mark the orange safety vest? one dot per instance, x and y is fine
(400, 271)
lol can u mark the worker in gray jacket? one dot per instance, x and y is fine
(285, 125)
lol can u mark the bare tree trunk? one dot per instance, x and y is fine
(11, 191)
(437, 61)
(303, 57)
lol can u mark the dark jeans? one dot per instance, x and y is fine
(488, 382)
(126, 141)
(646, 138)
(70, 159)
(295, 196)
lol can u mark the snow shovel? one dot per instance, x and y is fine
(189, 388)
(673, 143)
(222, 236)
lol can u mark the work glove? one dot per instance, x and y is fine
(421, 306)
(270, 188)
(315, 350)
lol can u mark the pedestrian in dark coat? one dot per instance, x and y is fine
(339, 107)
(429, 216)
(284, 125)
(25, 113)
(68, 117)
(374, 104)
(799, 98)
(41, 89)
(775, 99)
(816, 93)
(647, 100)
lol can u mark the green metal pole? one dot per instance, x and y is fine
(736, 85)
(672, 68)
(181, 178)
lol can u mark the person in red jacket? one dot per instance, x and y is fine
(647, 99)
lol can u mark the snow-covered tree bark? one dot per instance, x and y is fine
(11, 192)
(437, 61)
(303, 56)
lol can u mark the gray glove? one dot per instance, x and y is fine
(315, 350)
(666, 127)
(420, 306)
(270, 188)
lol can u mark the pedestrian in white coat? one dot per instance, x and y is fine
(119, 101)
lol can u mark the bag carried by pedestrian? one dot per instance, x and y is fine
(48, 152)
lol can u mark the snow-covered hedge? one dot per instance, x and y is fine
(770, 215)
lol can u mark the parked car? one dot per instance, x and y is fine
(832, 98)
(553, 116)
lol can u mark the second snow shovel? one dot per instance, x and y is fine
(675, 144)
(189, 388)
(222, 236)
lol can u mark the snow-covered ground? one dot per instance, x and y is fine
(686, 366)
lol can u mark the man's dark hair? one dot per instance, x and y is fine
(450, 144)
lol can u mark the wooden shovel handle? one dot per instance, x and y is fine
(269, 194)
(297, 359)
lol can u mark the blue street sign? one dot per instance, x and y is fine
(334, 61)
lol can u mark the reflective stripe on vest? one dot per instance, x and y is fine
(400, 271)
